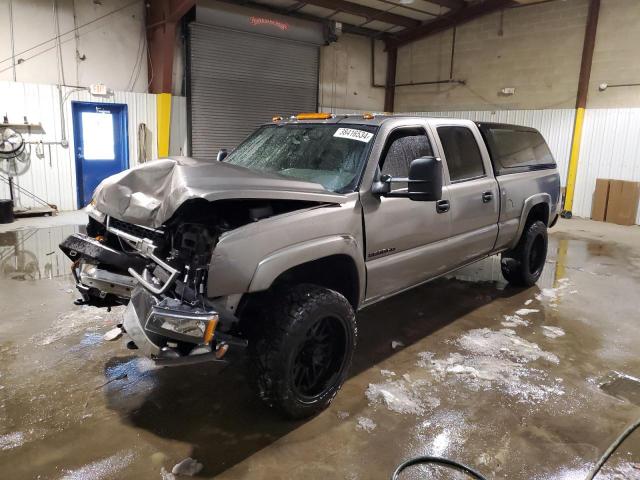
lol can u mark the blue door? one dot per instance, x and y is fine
(101, 143)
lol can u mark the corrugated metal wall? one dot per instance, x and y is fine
(53, 177)
(610, 149)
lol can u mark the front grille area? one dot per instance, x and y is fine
(137, 230)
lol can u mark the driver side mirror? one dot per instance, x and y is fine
(222, 154)
(423, 185)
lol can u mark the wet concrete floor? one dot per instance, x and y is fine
(507, 380)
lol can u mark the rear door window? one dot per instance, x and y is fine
(515, 149)
(462, 153)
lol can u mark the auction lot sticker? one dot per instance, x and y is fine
(353, 134)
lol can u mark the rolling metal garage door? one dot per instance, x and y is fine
(239, 80)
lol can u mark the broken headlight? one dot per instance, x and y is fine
(180, 322)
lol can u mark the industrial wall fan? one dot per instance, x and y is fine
(15, 160)
(15, 153)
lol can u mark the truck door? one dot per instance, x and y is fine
(404, 238)
(473, 191)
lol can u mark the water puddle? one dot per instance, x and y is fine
(27, 255)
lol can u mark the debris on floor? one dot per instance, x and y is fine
(164, 475)
(76, 321)
(395, 344)
(514, 321)
(366, 424)
(105, 468)
(188, 467)
(402, 396)
(113, 334)
(552, 332)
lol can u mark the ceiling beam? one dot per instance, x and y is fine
(448, 20)
(161, 18)
(366, 12)
(450, 4)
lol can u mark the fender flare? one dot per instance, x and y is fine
(529, 203)
(278, 262)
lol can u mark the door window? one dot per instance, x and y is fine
(404, 146)
(462, 153)
(97, 136)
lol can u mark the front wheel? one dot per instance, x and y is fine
(302, 353)
(523, 265)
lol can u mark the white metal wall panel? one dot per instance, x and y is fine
(239, 80)
(555, 125)
(53, 177)
(610, 148)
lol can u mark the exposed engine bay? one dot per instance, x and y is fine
(162, 275)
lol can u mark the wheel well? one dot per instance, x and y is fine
(336, 272)
(539, 211)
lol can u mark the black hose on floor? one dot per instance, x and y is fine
(445, 462)
(612, 448)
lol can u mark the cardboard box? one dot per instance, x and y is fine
(622, 207)
(600, 200)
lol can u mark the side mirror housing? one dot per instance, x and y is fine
(425, 179)
(423, 185)
(222, 154)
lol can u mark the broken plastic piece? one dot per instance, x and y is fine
(188, 466)
(113, 334)
(166, 475)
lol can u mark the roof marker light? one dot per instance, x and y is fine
(276, 118)
(368, 116)
(314, 116)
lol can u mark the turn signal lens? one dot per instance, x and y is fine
(313, 116)
(211, 328)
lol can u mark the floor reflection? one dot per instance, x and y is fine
(27, 255)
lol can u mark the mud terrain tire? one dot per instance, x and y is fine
(302, 353)
(523, 265)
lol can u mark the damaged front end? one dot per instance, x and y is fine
(161, 275)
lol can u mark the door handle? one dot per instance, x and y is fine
(442, 206)
(487, 197)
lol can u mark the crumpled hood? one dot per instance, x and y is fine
(151, 193)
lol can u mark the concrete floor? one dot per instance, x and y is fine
(518, 395)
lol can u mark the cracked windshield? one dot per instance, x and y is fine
(331, 155)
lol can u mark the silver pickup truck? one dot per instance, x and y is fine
(275, 246)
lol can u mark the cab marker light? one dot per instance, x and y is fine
(314, 116)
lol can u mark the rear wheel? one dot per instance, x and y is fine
(523, 265)
(302, 353)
